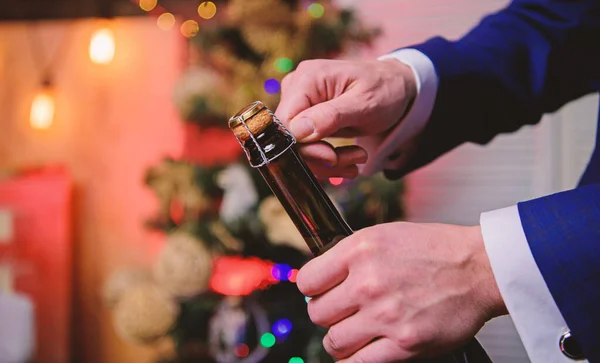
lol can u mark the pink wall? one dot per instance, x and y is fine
(112, 123)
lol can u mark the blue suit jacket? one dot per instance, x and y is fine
(526, 60)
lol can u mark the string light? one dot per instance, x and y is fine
(296, 360)
(189, 28)
(148, 5)
(267, 340)
(282, 327)
(42, 109)
(316, 10)
(283, 65)
(272, 86)
(166, 21)
(102, 46)
(207, 10)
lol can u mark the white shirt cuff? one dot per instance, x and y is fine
(380, 147)
(528, 300)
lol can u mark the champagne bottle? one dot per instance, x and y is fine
(271, 149)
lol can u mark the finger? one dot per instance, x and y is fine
(295, 97)
(324, 153)
(349, 336)
(320, 151)
(380, 351)
(325, 172)
(327, 118)
(350, 155)
(332, 307)
(323, 272)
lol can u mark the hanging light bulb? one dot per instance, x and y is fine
(42, 108)
(102, 46)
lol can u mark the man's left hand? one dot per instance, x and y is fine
(399, 291)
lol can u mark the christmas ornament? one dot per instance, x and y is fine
(184, 266)
(240, 194)
(144, 314)
(122, 281)
(228, 330)
(279, 226)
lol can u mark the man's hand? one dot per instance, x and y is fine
(400, 291)
(334, 98)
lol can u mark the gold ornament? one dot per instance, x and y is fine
(122, 281)
(145, 314)
(184, 266)
(280, 228)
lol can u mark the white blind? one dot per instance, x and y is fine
(459, 186)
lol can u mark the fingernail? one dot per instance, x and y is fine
(302, 128)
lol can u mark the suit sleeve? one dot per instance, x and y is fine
(526, 60)
(563, 232)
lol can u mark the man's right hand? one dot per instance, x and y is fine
(336, 98)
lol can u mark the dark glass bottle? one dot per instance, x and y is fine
(272, 150)
(294, 184)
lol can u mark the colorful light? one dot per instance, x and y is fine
(42, 109)
(272, 86)
(189, 28)
(292, 275)
(237, 276)
(148, 5)
(282, 327)
(336, 181)
(283, 65)
(207, 10)
(281, 271)
(102, 46)
(242, 350)
(268, 340)
(316, 10)
(296, 360)
(166, 21)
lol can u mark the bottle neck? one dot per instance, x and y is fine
(272, 142)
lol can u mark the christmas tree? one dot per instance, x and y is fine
(222, 290)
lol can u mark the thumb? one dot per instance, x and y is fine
(327, 119)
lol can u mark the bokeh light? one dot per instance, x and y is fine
(42, 110)
(281, 272)
(166, 21)
(283, 65)
(336, 181)
(296, 360)
(207, 10)
(316, 10)
(189, 28)
(272, 86)
(148, 5)
(267, 340)
(282, 327)
(242, 350)
(102, 46)
(292, 275)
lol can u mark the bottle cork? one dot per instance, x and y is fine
(257, 118)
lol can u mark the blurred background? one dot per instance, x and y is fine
(131, 227)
